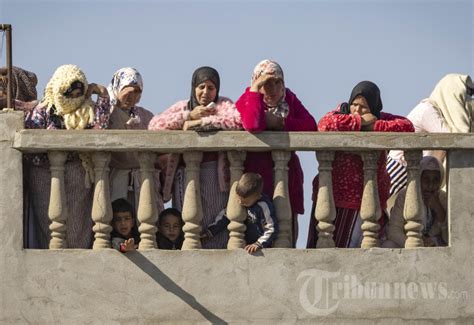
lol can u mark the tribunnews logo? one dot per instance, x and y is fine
(322, 291)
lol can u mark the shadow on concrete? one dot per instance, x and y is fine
(169, 285)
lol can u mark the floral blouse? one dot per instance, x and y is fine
(40, 117)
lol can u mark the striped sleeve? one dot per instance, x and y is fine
(270, 225)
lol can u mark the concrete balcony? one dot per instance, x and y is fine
(280, 285)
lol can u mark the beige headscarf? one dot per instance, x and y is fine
(450, 98)
(76, 112)
(431, 163)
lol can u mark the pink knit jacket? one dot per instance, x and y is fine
(226, 117)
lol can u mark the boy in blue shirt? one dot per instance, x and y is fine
(261, 222)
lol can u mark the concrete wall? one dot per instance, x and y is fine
(426, 285)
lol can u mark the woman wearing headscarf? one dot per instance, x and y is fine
(23, 87)
(125, 91)
(449, 109)
(205, 110)
(361, 113)
(66, 104)
(435, 224)
(268, 105)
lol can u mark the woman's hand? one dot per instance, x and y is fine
(99, 90)
(199, 112)
(191, 125)
(274, 122)
(368, 121)
(257, 84)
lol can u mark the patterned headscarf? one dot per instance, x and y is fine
(199, 76)
(272, 67)
(450, 97)
(23, 85)
(123, 78)
(76, 112)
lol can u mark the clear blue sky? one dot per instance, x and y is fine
(324, 47)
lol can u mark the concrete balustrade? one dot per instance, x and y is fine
(192, 205)
(101, 205)
(325, 211)
(235, 212)
(57, 211)
(147, 209)
(193, 147)
(370, 211)
(414, 208)
(281, 199)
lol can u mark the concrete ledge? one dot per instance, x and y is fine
(278, 285)
(180, 141)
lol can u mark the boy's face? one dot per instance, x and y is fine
(250, 200)
(123, 223)
(170, 227)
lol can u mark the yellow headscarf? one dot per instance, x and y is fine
(76, 112)
(450, 98)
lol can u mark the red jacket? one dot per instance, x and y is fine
(252, 112)
(347, 173)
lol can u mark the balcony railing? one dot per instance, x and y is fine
(236, 143)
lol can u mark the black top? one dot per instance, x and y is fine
(165, 243)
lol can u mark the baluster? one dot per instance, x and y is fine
(325, 211)
(192, 209)
(370, 211)
(57, 211)
(281, 199)
(235, 212)
(147, 209)
(101, 206)
(414, 208)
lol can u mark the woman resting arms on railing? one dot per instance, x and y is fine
(125, 91)
(66, 104)
(447, 110)
(435, 223)
(268, 105)
(205, 110)
(361, 113)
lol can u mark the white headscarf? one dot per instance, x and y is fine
(125, 77)
(450, 98)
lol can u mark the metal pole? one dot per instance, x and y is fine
(8, 29)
